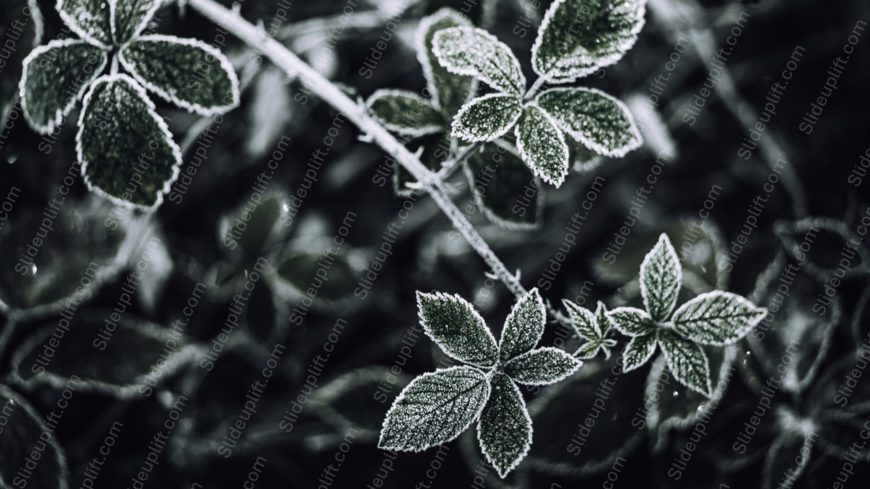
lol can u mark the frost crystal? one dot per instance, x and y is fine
(474, 52)
(487, 118)
(436, 407)
(542, 145)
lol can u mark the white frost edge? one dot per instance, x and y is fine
(190, 107)
(458, 70)
(454, 298)
(650, 351)
(529, 436)
(568, 76)
(739, 333)
(663, 245)
(404, 392)
(39, 419)
(535, 296)
(65, 110)
(498, 220)
(577, 364)
(527, 157)
(402, 130)
(619, 152)
(579, 313)
(173, 362)
(626, 310)
(422, 52)
(74, 26)
(161, 124)
(460, 133)
(113, 8)
(678, 378)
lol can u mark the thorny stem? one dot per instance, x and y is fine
(283, 58)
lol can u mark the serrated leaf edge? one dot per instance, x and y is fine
(161, 124)
(665, 243)
(195, 108)
(113, 8)
(762, 313)
(560, 139)
(402, 395)
(577, 364)
(465, 136)
(678, 377)
(528, 442)
(637, 138)
(456, 298)
(65, 110)
(618, 326)
(649, 354)
(474, 73)
(535, 295)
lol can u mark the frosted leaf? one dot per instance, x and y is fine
(631, 321)
(504, 187)
(474, 52)
(542, 145)
(787, 459)
(577, 37)
(130, 17)
(448, 90)
(638, 351)
(434, 408)
(89, 19)
(405, 113)
(24, 22)
(140, 354)
(717, 318)
(592, 329)
(542, 366)
(24, 433)
(660, 277)
(456, 327)
(505, 428)
(599, 121)
(486, 118)
(523, 327)
(687, 361)
(54, 78)
(125, 148)
(188, 73)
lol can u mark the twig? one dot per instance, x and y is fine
(282, 57)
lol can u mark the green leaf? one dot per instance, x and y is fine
(125, 148)
(23, 24)
(54, 77)
(405, 113)
(449, 92)
(542, 366)
(717, 318)
(577, 37)
(583, 321)
(189, 73)
(687, 361)
(89, 19)
(631, 321)
(599, 121)
(457, 328)
(638, 351)
(505, 427)
(434, 408)
(523, 327)
(141, 354)
(505, 188)
(130, 17)
(474, 52)
(486, 118)
(27, 443)
(542, 145)
(255, 227)
(660, 277)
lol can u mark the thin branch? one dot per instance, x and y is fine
(258, 39)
